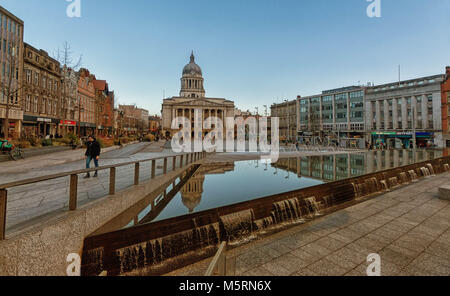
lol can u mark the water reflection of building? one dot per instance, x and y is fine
(191, 192)
(337, 167)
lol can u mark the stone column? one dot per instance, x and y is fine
(424, 112)
(378, 115)
(404, 114)
(414, 112)
(386, 114)
(395, 113)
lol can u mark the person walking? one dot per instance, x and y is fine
(92, 153)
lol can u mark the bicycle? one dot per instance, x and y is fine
(16, 153)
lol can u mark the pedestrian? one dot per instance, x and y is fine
(92, 153)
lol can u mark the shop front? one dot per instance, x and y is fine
(67, 127)
(87, 129)
(14, 122)
(42, 127)
(401, 140)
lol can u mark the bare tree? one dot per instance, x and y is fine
(65, 57)
(11, 85)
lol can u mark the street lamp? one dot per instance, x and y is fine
(288, 122)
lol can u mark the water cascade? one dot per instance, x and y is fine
(312, 206)
(431, 169)
(238, 225)
(446, 167)
(403, 178)
(384, 185)
(154, 252)
(413, 175)
(286, 211)
(393, 182)
(425, 172)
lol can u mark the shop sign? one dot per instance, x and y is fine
(44, 120)
(68, 122)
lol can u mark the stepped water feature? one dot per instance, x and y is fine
(425, 172)
(393, 182)
(312, 207)
(431, 169)
(412, 175)
(286, 211)
(237, 225)
(384, 185)
(403, 178)
(178, 240)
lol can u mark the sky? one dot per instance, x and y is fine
(254, 52)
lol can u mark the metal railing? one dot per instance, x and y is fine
(220, 266)
(185, 159)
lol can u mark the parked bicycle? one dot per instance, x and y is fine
(13, 151)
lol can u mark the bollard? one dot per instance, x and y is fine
(3, 202)
(73, 192)
(136, 173)
(165, 166)
(112, 181)
(153, 169)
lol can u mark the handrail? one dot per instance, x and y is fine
(219, 263)
(73, 183)
(78, 172)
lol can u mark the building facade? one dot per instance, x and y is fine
(135, 119)
(11, 73)
(336, 114)
(445, 95)
(192, 97)
(41, 94)
(85, 110)
(399, 113)
(69, 100)
(154, 125)
(287, 114)
(104, 108)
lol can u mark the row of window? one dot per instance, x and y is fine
(41, 105)
(44, 82)
(9, 25)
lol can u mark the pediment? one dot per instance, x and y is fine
(201, 103)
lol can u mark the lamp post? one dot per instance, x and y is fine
(288, 122)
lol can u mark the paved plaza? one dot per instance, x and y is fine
(409, 228)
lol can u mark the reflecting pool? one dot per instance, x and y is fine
(220, 184)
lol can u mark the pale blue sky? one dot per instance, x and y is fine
(250, 51)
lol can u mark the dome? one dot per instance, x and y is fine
(192, 68)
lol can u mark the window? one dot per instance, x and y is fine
(35, 105)
(28, 76)
(49, 110)
(36, 79)
(28, 103)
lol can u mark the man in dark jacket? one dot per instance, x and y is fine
(92, 153)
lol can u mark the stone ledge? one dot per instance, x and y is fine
(444, 192)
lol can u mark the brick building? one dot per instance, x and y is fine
(105, 106)
(85, 109)
(445, 94)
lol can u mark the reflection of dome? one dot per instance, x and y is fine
(192, 68)
(191, 193)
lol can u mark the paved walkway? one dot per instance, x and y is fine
(409, 228)
(33, 202)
